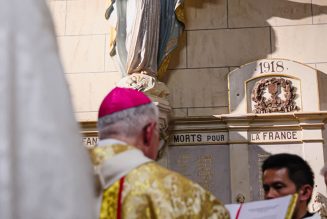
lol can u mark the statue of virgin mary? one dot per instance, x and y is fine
(144, 33)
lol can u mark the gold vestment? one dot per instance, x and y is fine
(152, 191)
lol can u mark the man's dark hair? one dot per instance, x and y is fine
(298, 169)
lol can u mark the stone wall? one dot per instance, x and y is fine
(82, 37)
(220, 36)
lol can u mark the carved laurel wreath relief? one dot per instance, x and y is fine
(272, 95)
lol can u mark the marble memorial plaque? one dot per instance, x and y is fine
(273, 86)
(206, 165)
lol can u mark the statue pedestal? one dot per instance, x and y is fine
(158, 93)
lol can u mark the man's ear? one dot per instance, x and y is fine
(148, 132)
(305, 192)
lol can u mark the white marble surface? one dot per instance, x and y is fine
(319, 13)
(91, 88)
(83, 53)
(86, 17)
(59, 11)
(206, 14)
(200, 88)
(226, 47)
(305, 44)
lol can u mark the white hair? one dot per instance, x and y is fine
(129, 122)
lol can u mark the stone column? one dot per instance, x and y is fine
(239, 162)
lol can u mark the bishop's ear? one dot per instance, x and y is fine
(148, 132)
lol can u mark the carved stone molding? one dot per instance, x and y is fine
(320, 205)
(282, 94)
(144, 83)
(307, 94)
(164, 117)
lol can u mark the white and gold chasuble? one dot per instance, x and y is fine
(148, 190)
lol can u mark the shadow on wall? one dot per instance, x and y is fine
(262, 13)
(250, 14)
(322, 82)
